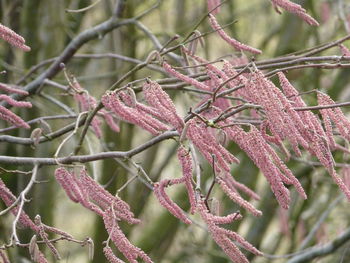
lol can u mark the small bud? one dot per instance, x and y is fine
(91, 248)
(35, 136)
(45, 127)
(33, 248)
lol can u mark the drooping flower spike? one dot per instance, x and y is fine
(160, 100)
(37, 226)
(169, 69)
(206, 143)
(12, 89)
(295, 9)
(164, 199)
(166, 202)
(319, 141)
(214, 6)
(344, 50)
(87, 103)
(266, 159)
(335, 115)
(224, 237)
(129, 110)
(13, 38)
(233, 42)
(83, 189)
(129, 251)
(8, 115)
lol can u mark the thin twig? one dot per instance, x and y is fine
(22, 199)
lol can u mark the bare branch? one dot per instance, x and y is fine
(324, 250)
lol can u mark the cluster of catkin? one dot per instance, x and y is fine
(279, 123)
(15, 40)
(8, 115)
(82, 189)
(161, 114)
(86, 103)
(37, 226)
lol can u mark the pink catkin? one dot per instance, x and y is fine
(13, 38)
(6, 114)
(108, 252)
(233, 42)
(275, 104)
(64, 179)
(238, 61)
(206, 143)
(214, 4)
(56, 231)
(4, 257)
(223, 236)
(159, 188)
(233, 184)
(185, 160)
(327, 121)
(220, 220)
(209, 66)
(295, 9)
(41, 257)
(85, 190)
(234, 196)
(344, 50)
(166, 202)
(105, 199)
(221, 103)
(45, 237)
(129, 251)
(87, 103)
(313, 132)
(110, 120)
(160, 100)
(320, 147)
(132, 113)
(183, 77)
(264, 157)
(286, 173)
(335, 115)
(345, 189)
(8, 198)
(263, 92)
(10, 89)
(244, 243)
(71, 185)
(12, 118)
(215, 74)
(230, 72)
(302, 118)
(15, 103)
(281, 123)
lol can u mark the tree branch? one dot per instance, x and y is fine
(324, 250)
(88, 158)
